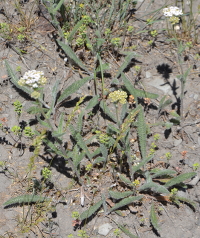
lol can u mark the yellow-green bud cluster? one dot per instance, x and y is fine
(118, 96)
(174, 20)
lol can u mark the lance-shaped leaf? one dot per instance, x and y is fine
(83, 145)
(153, 218)
(14, 80)
(125, 201)
(25, 199)
(120, 195)
(126, 231)
(71, 55)
(126, 62)
(93, 102)
(188, 201)
(162, 173)
(107, 111)
(142, 163)
(125, 180)
(91, 210)
(154, 187)
(142, 133)
(179, 179)
(73, 88)
(137, 92)
(74, 30)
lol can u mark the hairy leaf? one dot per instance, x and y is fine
(93, 102)
(71, 55)
(24, 199)
(142, 135)
(14, 80)
(120, 195)
(83, 145)
(107, 111)
(137, 92)
(99, 160)
(73, 88)
(91, 210)
(125, 180)
(179, 179)
(154, 187)
(79, 123)
(126, 231)
(142, 163)
(126, 62)
(125, 201)
(153, 218)
(164, 172)
(188, 201)
(74, 30)
(104, 151)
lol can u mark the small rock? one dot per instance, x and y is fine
(104, 229)
(148, 74)
(196, 96)
(177, 142)
(194, 181)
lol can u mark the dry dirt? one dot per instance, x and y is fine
(158, 75)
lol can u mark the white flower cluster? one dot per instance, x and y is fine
(172, 11)
(33, 79)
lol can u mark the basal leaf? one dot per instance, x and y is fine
(153, 218)
(25, 199)
(120, 195)
(142, 163)
(179, 179)
(107, 111)
(126, 231)
(125, 201)
(162, 173)
(91, 210)
(154, 187)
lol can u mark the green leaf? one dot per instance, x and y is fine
(25, 199)
(154, 187)
(179, 179)
(126, 62)
(163, 104)
(104, 151)
(34, 110)
(58, 6)
(142, 163)
(111, 129)
(91, 210)
(188, 201)
(126, 231)
(79, 123)
(125, 201)
(141, 130)
(71, 55)
(164, 172)
(153, 218)
(83, 145)
(73, 88)
(99, 160)
(14, 80)
(120, 195)
(107, 111)
(137, 92)
(74, 30)
(125, 180)
(93, 102)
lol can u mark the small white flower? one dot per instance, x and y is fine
(172, 11)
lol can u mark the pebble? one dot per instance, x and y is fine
(148, 74)
(105, 229)
(177, 142)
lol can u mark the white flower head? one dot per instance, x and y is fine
(33, 79)
(172, 11)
